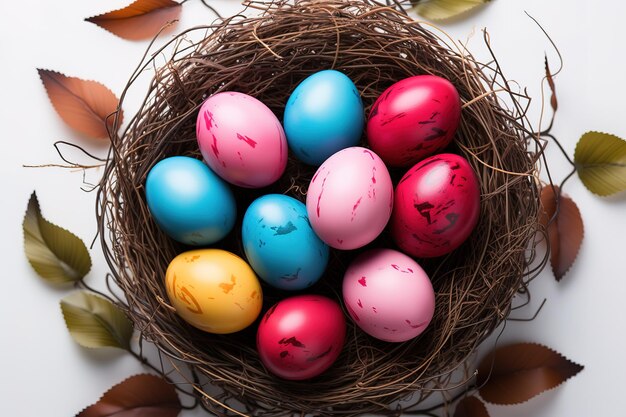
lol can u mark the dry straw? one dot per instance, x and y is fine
(267, 56)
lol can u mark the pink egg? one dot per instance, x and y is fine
(300, 337)
(350, 198)
(388, 295)
(414, 118)
(437, 203)
(241, 140)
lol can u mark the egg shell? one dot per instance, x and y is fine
(241, 139)
(437, 205)
(300, 337)
(189, 202)
(214, 290)
(388, 295)
(323, 115)
(280, 244)
(414, 118)
(350, 198)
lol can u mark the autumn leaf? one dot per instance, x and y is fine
(95, 322)
(515, 373)
(561, 218)
(471, 407)
(600, 160)
(553, 102)
(142, 19)
(444, 9)
(57, 255)
(138, 396)
(83, 104)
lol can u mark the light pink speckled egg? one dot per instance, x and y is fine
(241, 139)
(350, 198)
(388, 295)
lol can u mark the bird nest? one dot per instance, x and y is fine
(266, 56)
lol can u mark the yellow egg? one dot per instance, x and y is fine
(214, 290)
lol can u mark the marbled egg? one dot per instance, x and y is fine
(414, 118)
(280, 244)
(214, 290)
(388, 295)
(241, 139)
(300, 337)
(437, 204)
(350, 198)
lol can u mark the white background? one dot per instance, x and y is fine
(44, 373)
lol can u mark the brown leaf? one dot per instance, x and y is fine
(471, 407)
(515, 373)
(142, 19)
(565, 230)
(553, 101)
(84, 105)
(138, 396)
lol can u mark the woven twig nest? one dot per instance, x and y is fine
(376, 45)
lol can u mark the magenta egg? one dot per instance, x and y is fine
(350, 198)
(436, 206)
(388, 295)
(300, 337)
(414, 118)
(241, 139)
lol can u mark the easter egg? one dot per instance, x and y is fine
(241, 139)
(437, 204)
(189, 202)
(388, 295)
(300, 337)
(323, 115)
(280, 244)
(213, 290)
(350, 198)
(414, 118)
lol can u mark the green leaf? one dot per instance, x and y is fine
(95, 322)
(600, 159)
(57, 255)
(444, 9)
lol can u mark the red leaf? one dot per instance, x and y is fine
(138, 396)
(553, 101)
(84, 105)
(565, 230)
(471, 407)
(142, 19)
(516, 373)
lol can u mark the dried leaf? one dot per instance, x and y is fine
(142, 19)
(138, 396)
(600, 160)
(83, 104)
(55, 254)
(516, 373)
(444, 9)
(553, 101)
(565, 230)
(471, 407)
(96, 322)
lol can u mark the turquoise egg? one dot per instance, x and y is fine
(189, 202)
(323, 115)
(280, 244)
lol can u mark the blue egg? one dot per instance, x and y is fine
(190, 202)
(323, 115)
(280, 244)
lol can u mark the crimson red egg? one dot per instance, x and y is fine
(300, 337)
(414, 118)
(436, 206)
